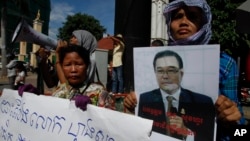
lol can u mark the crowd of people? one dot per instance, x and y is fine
(188, 23)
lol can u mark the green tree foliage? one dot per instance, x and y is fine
(83, 22)
(224, 25)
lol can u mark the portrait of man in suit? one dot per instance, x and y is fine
(176, 111)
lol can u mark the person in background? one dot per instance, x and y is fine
(117, 64)
(11, 72)
(189, 23)
(20, 75)
(156, 43)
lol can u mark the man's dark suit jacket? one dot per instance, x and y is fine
(197, 110)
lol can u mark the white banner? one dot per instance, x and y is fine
(45, 118)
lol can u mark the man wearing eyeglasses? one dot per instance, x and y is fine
(176, 111)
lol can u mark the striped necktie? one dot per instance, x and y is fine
(170, 100)
(171, 111)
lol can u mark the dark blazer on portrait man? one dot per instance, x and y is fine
(197, 110)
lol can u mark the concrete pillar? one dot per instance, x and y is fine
(22, 51)
(37, 25)
(158, 24)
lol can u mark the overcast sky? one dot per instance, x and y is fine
(102, 10)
